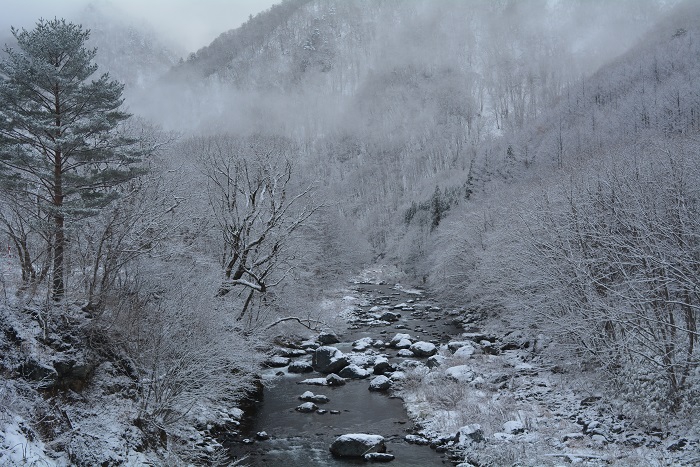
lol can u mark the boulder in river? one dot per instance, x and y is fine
(334, 380)
(379, 457)
(382, 365)
(405, 353)
(327, 337)
(315, 381)
(300, 367)
(309, 345)
(416, 439)
(357, 445)
(329, 360)
(423, 349)
(309, 396)
(403, 344)
(379, 383)
(400, 338)
(277, 362)
(390, 316)
(285, 352)
(307, 407)
(363, 344)
(353, 372)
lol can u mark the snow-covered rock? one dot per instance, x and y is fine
(454, 345)
(285, 352)
(277, 362)
(379, 457)
(334, 380)
(470, 434)
(389, 316)
(309, 396)
(328, 360)
(403, 344)
(513, 427)
(416, 439)
(309, 345)
(466, 351)
(357, 445)
(307, 407)
(363, 344)
(380, 383)
(353, 372)
(315, 381)
(381, 365)
(398, 338)
(435, 361)
(300, 367)
(405, 353)
(423, 349)
(327, 338)
(460, 373)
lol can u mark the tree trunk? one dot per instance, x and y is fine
(60, 240)
(58, 285)
(59, 220)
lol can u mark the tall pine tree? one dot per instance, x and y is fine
(60, 142)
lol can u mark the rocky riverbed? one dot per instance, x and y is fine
(482, 395)
(336, 384)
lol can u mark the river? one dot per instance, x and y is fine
(303, 439)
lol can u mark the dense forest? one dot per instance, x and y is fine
(530, 165)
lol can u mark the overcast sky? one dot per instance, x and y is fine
(190, 23)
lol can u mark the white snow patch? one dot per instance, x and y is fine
(17, 449)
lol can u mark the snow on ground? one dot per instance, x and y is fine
(20, 446)
(528, 414)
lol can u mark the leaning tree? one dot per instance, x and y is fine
(60, 142)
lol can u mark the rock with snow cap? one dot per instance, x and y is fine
(357, 445)
(307, 407)
(327, 338)
(379, 457)
(423, 349)
(363, 344)
(328, 360)
(334, 380)
(382, 365)
(398, 338)
(460, 373)
(379, 383)
(300, 367)
(353, 372)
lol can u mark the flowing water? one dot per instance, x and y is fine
(303, 439)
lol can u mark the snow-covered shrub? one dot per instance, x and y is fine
(183, 349)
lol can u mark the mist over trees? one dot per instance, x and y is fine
(533, 163)
(421, 120)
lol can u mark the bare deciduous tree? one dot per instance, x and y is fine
(257, 207)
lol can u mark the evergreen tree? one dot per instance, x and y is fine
(59, 130)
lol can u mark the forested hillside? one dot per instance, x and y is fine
(533, 165)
